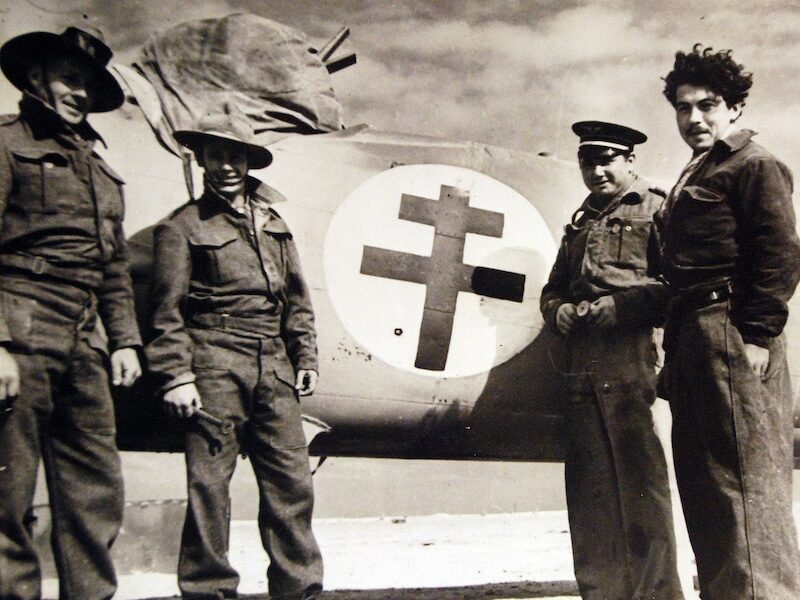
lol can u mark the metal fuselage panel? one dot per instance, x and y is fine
(375, 401)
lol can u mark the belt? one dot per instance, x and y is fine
(689, 300)
(39, 266)
(255, 325)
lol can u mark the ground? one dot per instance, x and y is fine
(465, 557)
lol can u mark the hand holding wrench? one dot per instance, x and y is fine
(225, 426)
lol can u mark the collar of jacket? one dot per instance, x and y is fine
(735, 141)
(636, 191)
(633, 194)
(258, 193)
(45, 123)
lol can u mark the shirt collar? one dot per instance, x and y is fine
(636, 191)
(633, 194)
(735, 139)
(258, 193)
(47, 123)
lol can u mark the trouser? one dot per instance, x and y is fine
(251, 382)
(618, 499)
(732, 440)
(65, 416)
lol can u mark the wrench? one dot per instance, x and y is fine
(225, 426)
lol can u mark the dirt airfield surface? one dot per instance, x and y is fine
(502, 591)
(438, 557)
(465, 557)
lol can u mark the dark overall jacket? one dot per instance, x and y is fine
(61, 207)
(616, 254)
(220, 277)
(734, 222)
(732, 261)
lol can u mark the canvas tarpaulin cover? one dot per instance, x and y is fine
(267, 69)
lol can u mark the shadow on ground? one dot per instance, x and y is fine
(493, 591)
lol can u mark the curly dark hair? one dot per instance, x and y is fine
(715, 70)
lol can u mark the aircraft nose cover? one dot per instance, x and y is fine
(265, 67)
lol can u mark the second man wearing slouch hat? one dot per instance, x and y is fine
(234, 335)
(602, 296)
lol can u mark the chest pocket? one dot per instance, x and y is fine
(45, 182)
(628, 242)
(217, 257)
(621, 242)
(704, 214)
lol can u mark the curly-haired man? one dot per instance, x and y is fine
(731, 258)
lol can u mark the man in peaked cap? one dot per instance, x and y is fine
(63, 263)
(602, 296)
(234, 334)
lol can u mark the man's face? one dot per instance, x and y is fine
(67, 85)
(703, 117)
(606, 172)
(226, 167)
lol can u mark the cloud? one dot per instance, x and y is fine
(521, 81)
(514, 73)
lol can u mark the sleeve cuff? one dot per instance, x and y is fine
(758, 340)
(307, 363)
(182, 379)
(128, 341)
(551, 311)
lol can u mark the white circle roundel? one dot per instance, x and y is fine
(437, 269)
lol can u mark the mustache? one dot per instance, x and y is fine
(694, 130)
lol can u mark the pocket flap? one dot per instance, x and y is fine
(276, 226)
(40, 155)
(701, 194)
(212, 239)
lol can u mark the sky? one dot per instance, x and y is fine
(513, 73)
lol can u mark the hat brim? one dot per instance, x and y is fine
(258, 157)
(19, 53)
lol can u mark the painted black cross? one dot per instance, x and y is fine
(444, 273)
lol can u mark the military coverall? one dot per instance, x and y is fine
(617, 486)
(62, 261)
(232, 314)
(732, 261)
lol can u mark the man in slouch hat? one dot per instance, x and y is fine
(234, 336)
(63, 264)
